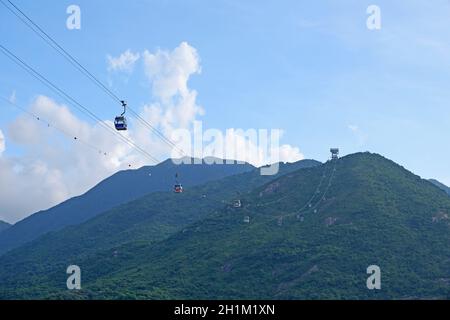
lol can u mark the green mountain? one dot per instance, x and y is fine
(106, 237)
(308, 234)
(4, 225)
(120, 188)
(440, 185)
(369, 211)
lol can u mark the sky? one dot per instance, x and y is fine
(312, 69)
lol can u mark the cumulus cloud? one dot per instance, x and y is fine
(175, 104)
(53, 166)
(258, 148)
(170, 71)
(125, 62)
(288, 153)
(176, 108)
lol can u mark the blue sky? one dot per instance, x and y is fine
(311, 68)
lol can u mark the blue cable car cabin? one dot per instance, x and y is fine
(120, 123)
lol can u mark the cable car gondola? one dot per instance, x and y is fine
(237, 201)
(120, 122)
(178, 188)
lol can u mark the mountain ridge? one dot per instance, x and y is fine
(111, 192)
(325, 256)
(365, 209)
(375, 212)
(144, 220)
(440, 185)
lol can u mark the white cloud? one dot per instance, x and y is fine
(2, 142)
(125, 62)
(246, 149)
(170, 71)
(289, 153)
(258, 147)
(175, 104)
(24, 131)
(53, 167)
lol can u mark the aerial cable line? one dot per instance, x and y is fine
(274, 201)
(316, 192)
(71, 100)
(49, 40)
(309, 204)
(156, 131)
(293, 193)
(49, 125)
(74, 62)
(326, 189)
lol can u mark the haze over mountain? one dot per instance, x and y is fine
(121, 187)
(311, 233)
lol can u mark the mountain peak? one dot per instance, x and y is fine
(304, 234)
(308, 234)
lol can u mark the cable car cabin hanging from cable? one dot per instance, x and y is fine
(120, 122)
(177, 188)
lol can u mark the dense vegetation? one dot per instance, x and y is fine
(312, 234)
(120, 188)
(109, 240)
